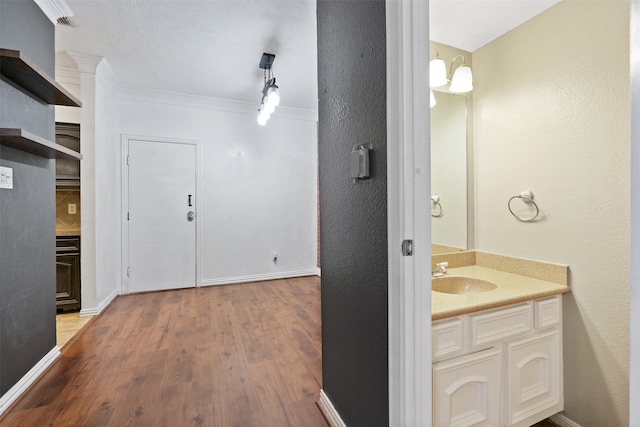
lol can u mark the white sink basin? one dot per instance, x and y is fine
(461, 285)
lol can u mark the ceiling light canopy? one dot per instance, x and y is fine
(270, 91)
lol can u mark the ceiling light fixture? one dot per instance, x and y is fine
(461, 81)
(270, 91)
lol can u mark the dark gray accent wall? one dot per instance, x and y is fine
(27, 212)
(353, 215)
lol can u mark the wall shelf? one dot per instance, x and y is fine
(21, 70)
(23, 140)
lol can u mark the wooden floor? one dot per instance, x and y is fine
(68, 325)
(238, 355)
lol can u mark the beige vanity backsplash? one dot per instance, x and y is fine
(550, 272)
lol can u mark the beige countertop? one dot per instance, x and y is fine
(511, 288)
(62, 233)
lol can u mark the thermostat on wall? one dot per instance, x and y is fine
(359, 162)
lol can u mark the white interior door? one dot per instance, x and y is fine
(162, 223)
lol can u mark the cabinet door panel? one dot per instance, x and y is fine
(466, 390)
(68, 281)
(533, 378)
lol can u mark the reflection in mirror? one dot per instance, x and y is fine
(448, 173)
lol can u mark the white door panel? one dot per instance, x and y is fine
(162, 241)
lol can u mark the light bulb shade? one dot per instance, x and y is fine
(462, 80)
(263, 115)
(437, 73)
(273, 95)
(269, 108)
(432, 99)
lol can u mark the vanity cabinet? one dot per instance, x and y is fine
(499, 367)
(466, 390)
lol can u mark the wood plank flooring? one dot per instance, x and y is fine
(237, 355)
(68, 325)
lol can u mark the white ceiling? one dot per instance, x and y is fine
(470, 24)
(212, 48)
(206, 48)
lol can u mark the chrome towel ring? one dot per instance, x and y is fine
(436, 207)
(527, 197)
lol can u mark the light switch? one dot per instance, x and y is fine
(71, 208)
(6, 177)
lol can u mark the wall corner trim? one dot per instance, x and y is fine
(329, 412)
(563, 421)
(29, 378)
(259, 277)
(103, 304)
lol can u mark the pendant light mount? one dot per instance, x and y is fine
(270, 91)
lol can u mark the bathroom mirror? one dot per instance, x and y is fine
(449, 173)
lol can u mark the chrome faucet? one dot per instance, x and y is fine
(441, 269)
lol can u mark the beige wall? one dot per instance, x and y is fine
(551, 114)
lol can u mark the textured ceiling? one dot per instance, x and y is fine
(206, 48)
(212, 48)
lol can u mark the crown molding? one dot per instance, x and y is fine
(218, 104)
(67, 75)
(98, 65)
(54, 9)
(107, 76)
(87, 63)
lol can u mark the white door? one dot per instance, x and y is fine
(162, 223)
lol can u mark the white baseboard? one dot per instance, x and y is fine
(34, 373)
(103, 304)
(259, 277)
(563, 421)
(329, 412)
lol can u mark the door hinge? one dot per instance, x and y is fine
(128, 160)
(128, 271)
(127, 216)
(407, 247)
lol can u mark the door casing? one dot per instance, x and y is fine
(124, 289)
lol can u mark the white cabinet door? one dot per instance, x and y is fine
(466, 390)
(533, 378)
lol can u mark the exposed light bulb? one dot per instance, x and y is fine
(273, 95)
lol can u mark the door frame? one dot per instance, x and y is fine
(126, 138)
(408, 189)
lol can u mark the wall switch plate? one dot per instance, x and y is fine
(359, 163)
(6, 177)
(71, 208)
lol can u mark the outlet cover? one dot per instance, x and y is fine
(71, 208)
(6, 177)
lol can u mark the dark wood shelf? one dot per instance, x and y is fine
(21, 139)
(22, 71)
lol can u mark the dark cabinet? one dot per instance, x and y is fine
(68, 169)
(68, 273)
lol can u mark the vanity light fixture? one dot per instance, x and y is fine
(270, 91)
(461, 81)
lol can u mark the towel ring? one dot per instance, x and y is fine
(435, 202)
(527, 197)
